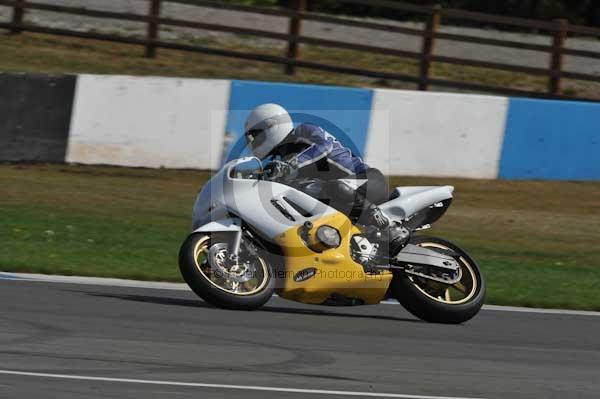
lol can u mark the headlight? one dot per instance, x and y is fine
(328, 236)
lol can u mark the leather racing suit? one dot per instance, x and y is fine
(314, 153)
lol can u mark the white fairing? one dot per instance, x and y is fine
(227, 200)
(253, 201)
(410, 200)
(230, 224)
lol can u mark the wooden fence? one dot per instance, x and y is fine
(291, 60)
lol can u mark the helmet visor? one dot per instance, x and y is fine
(255, 137)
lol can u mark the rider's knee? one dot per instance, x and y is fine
(341, 191)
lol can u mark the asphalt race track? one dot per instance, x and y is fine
(92, 341)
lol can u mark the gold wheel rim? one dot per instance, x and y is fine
(437, 292)
(201, 249)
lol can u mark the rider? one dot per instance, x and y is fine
(310, 151)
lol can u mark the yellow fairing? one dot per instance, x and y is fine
(336, 271)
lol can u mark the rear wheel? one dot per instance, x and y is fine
(205, 266)
(437, 302)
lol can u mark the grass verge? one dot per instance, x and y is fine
(537, 242)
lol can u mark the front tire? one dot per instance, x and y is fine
(211, 283)
(434, 302)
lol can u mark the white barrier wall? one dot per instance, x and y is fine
(436, 134)
(148, 121)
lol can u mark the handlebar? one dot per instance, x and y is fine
(260, 174)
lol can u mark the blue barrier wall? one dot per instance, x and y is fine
(342, 111)
(549, 139)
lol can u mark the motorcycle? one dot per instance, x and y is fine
(254, 235)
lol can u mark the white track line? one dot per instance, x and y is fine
(541, 311)
(226, 386)
(111, 282)
(117, 282)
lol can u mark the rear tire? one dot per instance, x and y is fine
(196, 274)
(432, 301)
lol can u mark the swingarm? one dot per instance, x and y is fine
(425, 263)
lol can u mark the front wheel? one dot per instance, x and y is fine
(442, 303)
(206, 267)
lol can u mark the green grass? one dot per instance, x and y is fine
(53, 54)
(537, 242)
(95, 221)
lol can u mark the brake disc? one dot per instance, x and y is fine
(220, 263)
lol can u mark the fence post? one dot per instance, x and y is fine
(431, 26)
(152, 34)
(17, 17)
(556, 60)
(294, 30)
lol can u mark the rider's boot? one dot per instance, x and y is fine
(379, 230)
(373, 216)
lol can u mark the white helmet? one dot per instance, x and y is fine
(266, 127)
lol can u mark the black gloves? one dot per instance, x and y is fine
(279, 170)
